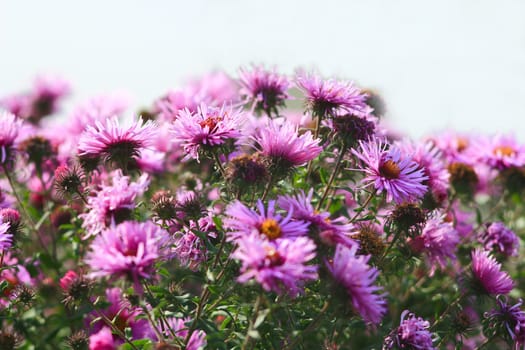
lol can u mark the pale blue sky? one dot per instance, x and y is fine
(439, 64)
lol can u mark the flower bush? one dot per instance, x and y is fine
(259, 212)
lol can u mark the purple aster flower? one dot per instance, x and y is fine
(412, 333)
(115, 143)
(278, 265)
(330, 96)
(102, 340)
(6, 238)
(284, 147)
(353, 273)
(507, 321)
(500, 152)
(243, 221)
(429, 159)
(206, 130)
(392, 171)
(438, 241)
(129, 249)
(179, 326)
(188, 248)
(499, 238)
(10, 125)
(265, 88)
(454, 147)
(124, 315)
(487, 275)
(113, 203)
(332, 232)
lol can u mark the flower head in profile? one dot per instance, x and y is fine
(500, 152)
(129, 249)
(115, 143)
(413, 333)
(113, 203)
(331, 232)
(390, 170)
(499, 238)
(438, 241)
(284, 148)
(6, 238)
(279, 265)
(265, 88)
(487, 275)
(353, 273)
(506, 321)
(206, 130)
(10, 125)
(330, 96)
(266, 223)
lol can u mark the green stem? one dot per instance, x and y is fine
(219, 164)
(256, 308)
(332, 176)
(308, 329)
(362, 207)
(445, 312)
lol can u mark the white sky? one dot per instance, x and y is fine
(438, 64)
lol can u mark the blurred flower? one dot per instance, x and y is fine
(197, 340)
(412, 333)
(278, 265)
(353, 273)
(9, 128)
(487, 275)
(351, 129)
(500, 151)
(499, 238)
(392, 171)
(6, 238)
(506, 321)
(243, 221)
(102, 340)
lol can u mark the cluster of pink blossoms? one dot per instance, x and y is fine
(221, 179)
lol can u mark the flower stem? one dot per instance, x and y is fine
(332, 176)
(362, 207)
(256, 308)
(444, 313)
(310, 327)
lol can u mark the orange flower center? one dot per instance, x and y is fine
(271, 229)
(210, 122)
(505, 151)
(461, 144)
(389, 169)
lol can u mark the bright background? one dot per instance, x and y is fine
(438, 64)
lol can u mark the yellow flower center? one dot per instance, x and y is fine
(271, 229)
(505, 151)
(389, 169)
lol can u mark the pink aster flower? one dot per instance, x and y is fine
(331, 232)
(10, 125)
(279, 265)
(283, 145)
(353, 273)
(330, 96)
(102, 340)
(266, 89)
(438, 241)
(391, 171)
(130, 249)
(499, 238)
(115, 143)
(6, 238)
(207, 130)
(188, 248)
(500, 152)
(243, 221)
(124, 315)
(429, 159)
(488, 277)
(179, 326)
(454, 147)
(412, 333)
(47, 91)
(113, 203)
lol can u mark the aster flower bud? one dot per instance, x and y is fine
(38, 149)
(164, 205)
(9, 340)
(68, 180)
(24, 295)
(247, 171)
(513, 179)
(407, 218)
(75, 288)
(78, 341)
(11, 217)
(351, 129)
(370, 242)
(463, 178)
